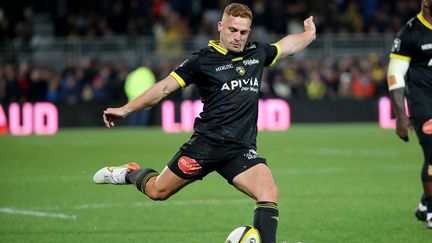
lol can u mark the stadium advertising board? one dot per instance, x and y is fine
(274, 115)
(42, 118)
(385, 117)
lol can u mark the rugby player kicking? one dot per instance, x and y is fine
(228, 75)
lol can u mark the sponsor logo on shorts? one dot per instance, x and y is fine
(427, 127)
(252, 154)
(188, 166)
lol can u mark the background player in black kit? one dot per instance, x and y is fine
(411, 56)
(227, 74)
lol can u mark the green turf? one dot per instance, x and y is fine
(337, 183)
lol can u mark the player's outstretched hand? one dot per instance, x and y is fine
(112, 114)
(309, 25)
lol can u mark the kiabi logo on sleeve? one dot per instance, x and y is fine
(396, 45)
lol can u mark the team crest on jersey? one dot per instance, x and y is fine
(396, 45)
(240, 70)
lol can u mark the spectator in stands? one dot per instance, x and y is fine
(362, 85)
(316, 89)
(71, 87)
(137, 82)
(13, 90)
(2, 86)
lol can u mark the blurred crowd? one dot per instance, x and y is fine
(94, 81)
(176, 18)
(90, 79)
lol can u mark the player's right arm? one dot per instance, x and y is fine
(293, 43)
(147, 99)
(398, 67)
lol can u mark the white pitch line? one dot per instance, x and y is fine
(336, 152)
(37, 213)
(147, 204)
(162, 204)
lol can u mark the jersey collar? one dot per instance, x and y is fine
(424, 21)
(215, 45)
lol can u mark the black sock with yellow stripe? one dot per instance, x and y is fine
(266, 220)
(140, 177)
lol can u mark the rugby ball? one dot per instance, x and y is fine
(244, 234)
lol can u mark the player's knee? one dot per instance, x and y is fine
(159, 194)
(274, 193)
(270, 193)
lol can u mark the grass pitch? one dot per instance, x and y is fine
(337, 183)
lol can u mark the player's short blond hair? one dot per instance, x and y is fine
(238, 10)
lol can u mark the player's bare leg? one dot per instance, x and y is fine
(258, 183)
(157, 186)
(165, 185)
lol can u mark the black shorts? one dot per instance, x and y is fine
(200, 156)
(423, 128)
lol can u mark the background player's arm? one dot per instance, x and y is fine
(294, 43)
(147, 99)
(396, 83)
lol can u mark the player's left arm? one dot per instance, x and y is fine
(293, 43)
(147, 99)
(398, 67)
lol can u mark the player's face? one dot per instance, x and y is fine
(426, 8)
(427, 4)
(234, 32)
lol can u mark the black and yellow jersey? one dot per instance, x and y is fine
(413, 43)
(229, 85)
